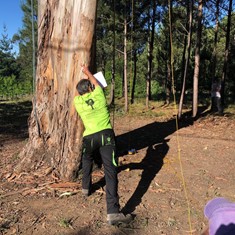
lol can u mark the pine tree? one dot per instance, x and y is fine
(8, 64)
(24, 37)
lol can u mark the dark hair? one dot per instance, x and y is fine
(83, 86)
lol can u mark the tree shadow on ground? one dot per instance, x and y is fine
(13, 123)
(151, 165)
(154, 137)
(13, 119)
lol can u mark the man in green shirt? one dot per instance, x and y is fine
(98, 135)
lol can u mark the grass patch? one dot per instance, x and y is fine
(65, 223)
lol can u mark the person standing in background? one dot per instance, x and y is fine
(216, 105)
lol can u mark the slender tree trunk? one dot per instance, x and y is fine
(149, 71)
(134, 77)
(168, 82)
(151, 46)
(93, 60)
(65, 32)
(214, 54)
(112, 96)
(134, 54)
(186, 63)
(125, 67)
(184, 54)
(103, 62)
(150, 53)
(226, 55)
(93, 64)
(169, 61)
(197, 60)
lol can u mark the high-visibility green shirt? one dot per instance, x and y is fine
(93, 110)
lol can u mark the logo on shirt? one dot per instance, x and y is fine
(108, 140)
(90, 102)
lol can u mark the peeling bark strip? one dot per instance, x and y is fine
(65, 32)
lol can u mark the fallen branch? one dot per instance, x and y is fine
(65, 185)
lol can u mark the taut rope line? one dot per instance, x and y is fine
(176, 121)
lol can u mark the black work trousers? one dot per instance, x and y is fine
(104, 142)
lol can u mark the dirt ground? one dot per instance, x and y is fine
(165, 183)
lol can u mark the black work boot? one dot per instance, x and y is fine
(119, 218)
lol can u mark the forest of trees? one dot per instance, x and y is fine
(16, 73)
(139, 32)
(147, 50)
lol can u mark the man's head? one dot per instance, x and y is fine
(84, 86)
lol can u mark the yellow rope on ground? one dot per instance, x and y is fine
(176, 120)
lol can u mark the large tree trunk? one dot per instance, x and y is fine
(65, 32)
(197, 59)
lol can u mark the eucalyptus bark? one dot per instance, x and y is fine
(65, 32)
